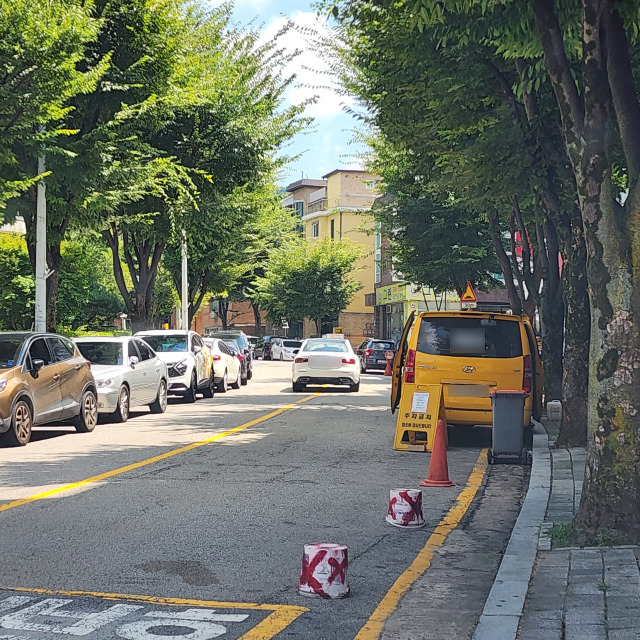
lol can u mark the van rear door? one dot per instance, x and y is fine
(470, 354)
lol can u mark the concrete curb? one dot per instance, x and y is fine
(505, 603)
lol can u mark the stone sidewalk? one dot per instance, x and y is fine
(585, 594)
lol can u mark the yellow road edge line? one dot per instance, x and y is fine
(373, 627)
(143, 463)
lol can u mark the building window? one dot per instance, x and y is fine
(333, 228)
(369, 185)
(315, 230)
(378, 265)
(299, 208)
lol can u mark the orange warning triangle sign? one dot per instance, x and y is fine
(469, 295)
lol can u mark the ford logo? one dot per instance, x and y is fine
(468, 369)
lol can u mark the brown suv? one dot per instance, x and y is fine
(43, 378)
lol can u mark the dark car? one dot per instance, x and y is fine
(371, 353)
(263, 348)
(246, 349)
(236, 351)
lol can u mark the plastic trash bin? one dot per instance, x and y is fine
(508, 432)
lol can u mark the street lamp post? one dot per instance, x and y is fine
(185, 284)
(41, 250)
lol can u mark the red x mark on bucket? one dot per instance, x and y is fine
(338, 569)
(306, 577)
(415, 507)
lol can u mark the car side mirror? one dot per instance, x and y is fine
(197, 348)
(36, 365)
(133, 361)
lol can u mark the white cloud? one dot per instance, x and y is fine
(309, 66)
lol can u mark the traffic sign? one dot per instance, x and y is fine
(469, 294)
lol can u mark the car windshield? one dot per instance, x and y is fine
(10, 351)
(164, 344)
(294, 344)
(107, 353)
(326, 345)
(470, 337)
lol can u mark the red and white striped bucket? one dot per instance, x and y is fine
(324, 571)
(405, 509)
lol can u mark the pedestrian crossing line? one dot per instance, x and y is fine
(143, 463)
(281, 616)
(374, 625)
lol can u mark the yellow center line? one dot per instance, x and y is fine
(158, 458)
(373, 627)
(281, 617)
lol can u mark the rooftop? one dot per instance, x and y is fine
(306, 182)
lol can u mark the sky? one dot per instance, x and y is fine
(328, 144)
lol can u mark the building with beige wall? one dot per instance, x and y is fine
(339, 207)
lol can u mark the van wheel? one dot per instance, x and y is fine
(21, 422)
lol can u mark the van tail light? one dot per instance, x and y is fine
(410, 367)
(302, 360)
(527, 375)
(367, 353)
(215, 357)
(348, 360)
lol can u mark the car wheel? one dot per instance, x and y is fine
(190, 395)
(222, 385)
(354, 387)
(159, 405)
(121, 414)
(21, 422)
(243, 381)
(87, 419)
(250, 373)
(363, 368)
(281, 357)
(209, 390)
(298, 386)
(238, 382)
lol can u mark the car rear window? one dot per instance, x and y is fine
(105, 353)
(470, 337)
(338, 346)
(292, 343)
(382, 346)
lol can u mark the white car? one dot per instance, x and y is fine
(128, 374)
(227, 370)
(188, 361)
(283, 349)
(326, 361)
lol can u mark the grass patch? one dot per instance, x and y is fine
(572, 534)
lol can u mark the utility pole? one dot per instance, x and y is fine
(41, 250)
(185, 284)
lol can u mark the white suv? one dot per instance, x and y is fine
(188, 361)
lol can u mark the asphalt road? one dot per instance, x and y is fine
(222, 522)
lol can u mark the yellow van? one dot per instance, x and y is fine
(471, 354)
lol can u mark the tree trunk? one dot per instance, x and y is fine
(505, 264)
(575, 379)
(223, 309)
(142, 322)
(318, 322)
(257, 318)
(611, 493)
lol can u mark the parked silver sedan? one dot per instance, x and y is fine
(227, 370)
(128, 374)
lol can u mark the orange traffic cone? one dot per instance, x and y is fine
(438, 468)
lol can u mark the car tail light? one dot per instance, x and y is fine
(367, 353)
(410, 367)
(239, 357)
(215, 357)
(348, 360)
(527, 375)
(302, 360)
(89, 364)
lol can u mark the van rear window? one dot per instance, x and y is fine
(470, 337)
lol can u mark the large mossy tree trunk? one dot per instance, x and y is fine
(575, 380)
(611, 494)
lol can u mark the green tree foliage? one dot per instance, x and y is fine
(16, 283)
(41, 45)
(312, 281)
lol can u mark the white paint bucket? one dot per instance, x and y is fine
(554, 410)
(324, 571)
(405, 509)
